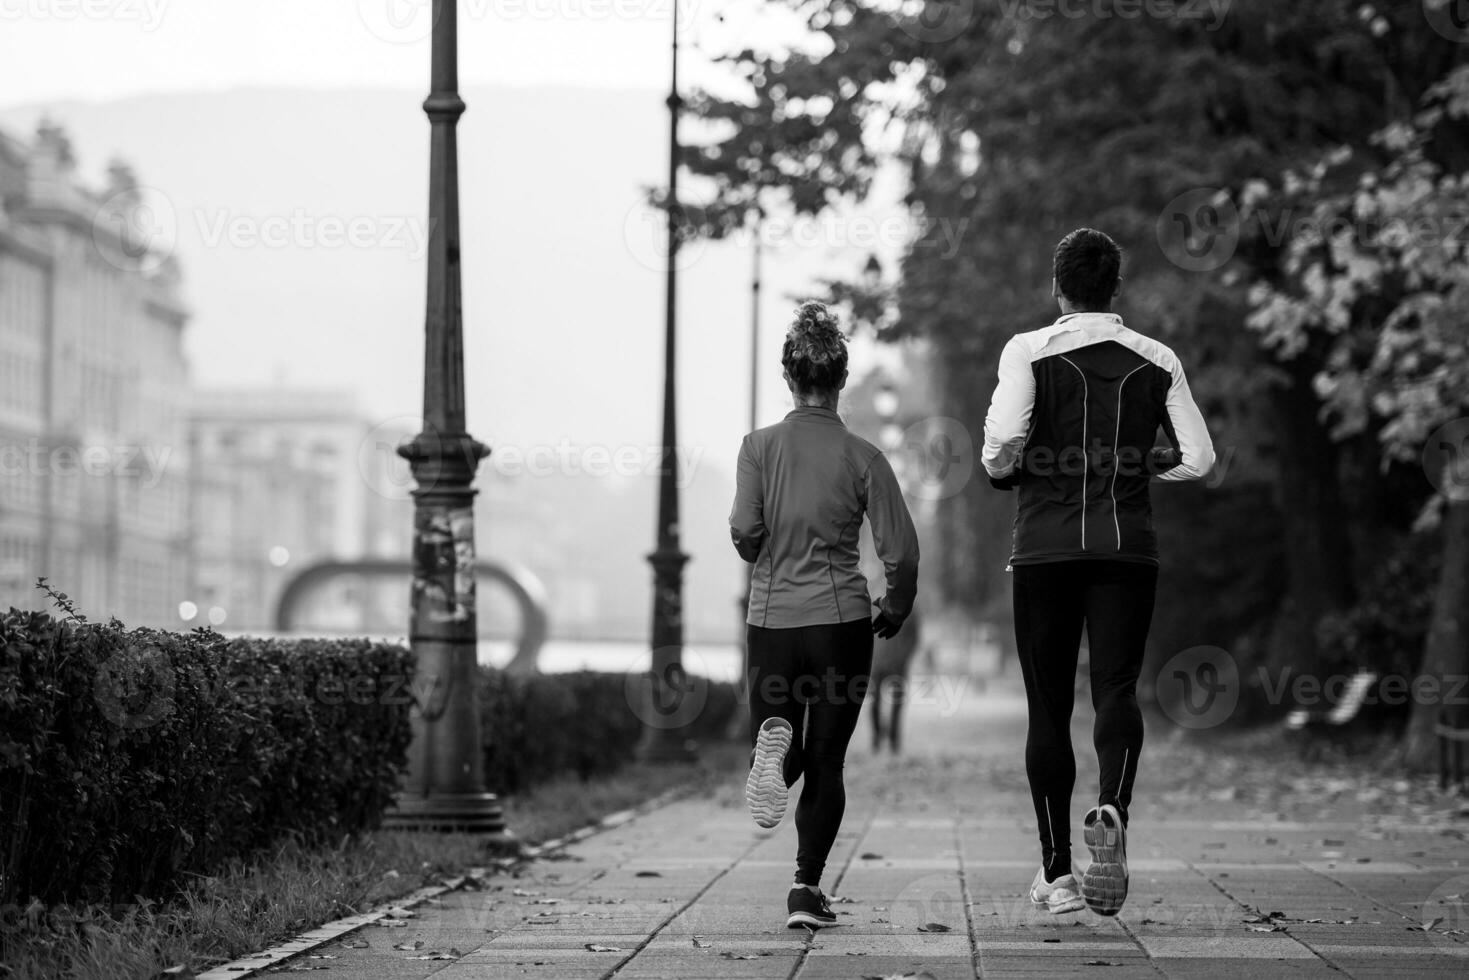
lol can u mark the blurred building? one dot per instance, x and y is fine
(93, 461)
(285, 478)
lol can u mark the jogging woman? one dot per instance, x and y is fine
(803, 486)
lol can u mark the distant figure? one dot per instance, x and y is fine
(802, 489)
(891, 661)
(1072, 427)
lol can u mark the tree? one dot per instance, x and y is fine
(1374, 273)
(1023, 126)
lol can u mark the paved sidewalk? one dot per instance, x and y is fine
(931, 869)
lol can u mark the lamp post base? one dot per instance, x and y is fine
(467, 813)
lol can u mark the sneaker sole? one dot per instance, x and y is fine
(799, 920)
(766, 793)
(1104, 883)
(1074, 905)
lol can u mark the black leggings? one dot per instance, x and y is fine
(814, 677)
(1114, 599)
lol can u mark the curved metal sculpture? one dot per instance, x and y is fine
(521, 583)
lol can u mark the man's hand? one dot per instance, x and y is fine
(1163, 459)
(881, 625)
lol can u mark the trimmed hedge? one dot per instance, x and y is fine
(129, 758)
(538, 726)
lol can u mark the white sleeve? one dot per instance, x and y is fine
(1008, 423)
(1187, 431)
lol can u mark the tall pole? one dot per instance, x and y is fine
(667, 684)
(445, 788)
(755, 332)
(739, 720)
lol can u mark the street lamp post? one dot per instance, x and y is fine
(666, 680)
(445, 788)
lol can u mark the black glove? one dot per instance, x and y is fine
(1006, 483)
(881, 625)
(1161, 460)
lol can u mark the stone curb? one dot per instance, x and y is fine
(332, 931)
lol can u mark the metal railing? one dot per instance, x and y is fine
(527, 591)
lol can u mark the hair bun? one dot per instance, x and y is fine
(815, 349)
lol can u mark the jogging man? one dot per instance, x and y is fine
(1073, 427)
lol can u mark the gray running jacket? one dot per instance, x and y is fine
(802, 487)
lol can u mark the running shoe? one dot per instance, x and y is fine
(806, 908)
(1104, 883)
(1057, 897)
(766, 792)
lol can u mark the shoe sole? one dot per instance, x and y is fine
(1104, 883)
(1074, 905)
(766, 793)
(798, 920)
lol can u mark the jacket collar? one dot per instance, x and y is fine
(814, 413)
(1089, 319)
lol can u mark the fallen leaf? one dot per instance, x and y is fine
(934, 927)
(870, 856)
(649, 874)
(599, 948)
(701, 943)
(416, 944)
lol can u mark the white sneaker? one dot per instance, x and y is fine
(1057, 897)
(766, 792)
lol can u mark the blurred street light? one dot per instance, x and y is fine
(187, 611)
(280, 556)
(666, 677)
(445, 787)
(216, 616)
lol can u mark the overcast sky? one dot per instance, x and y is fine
(97, 49)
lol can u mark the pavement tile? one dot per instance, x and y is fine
(694, 891)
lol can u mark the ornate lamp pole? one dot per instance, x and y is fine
(445, 789)
(667, 681)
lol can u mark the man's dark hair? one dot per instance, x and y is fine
(1088, 265)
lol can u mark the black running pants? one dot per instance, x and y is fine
(814, 677)
(1113, 600)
